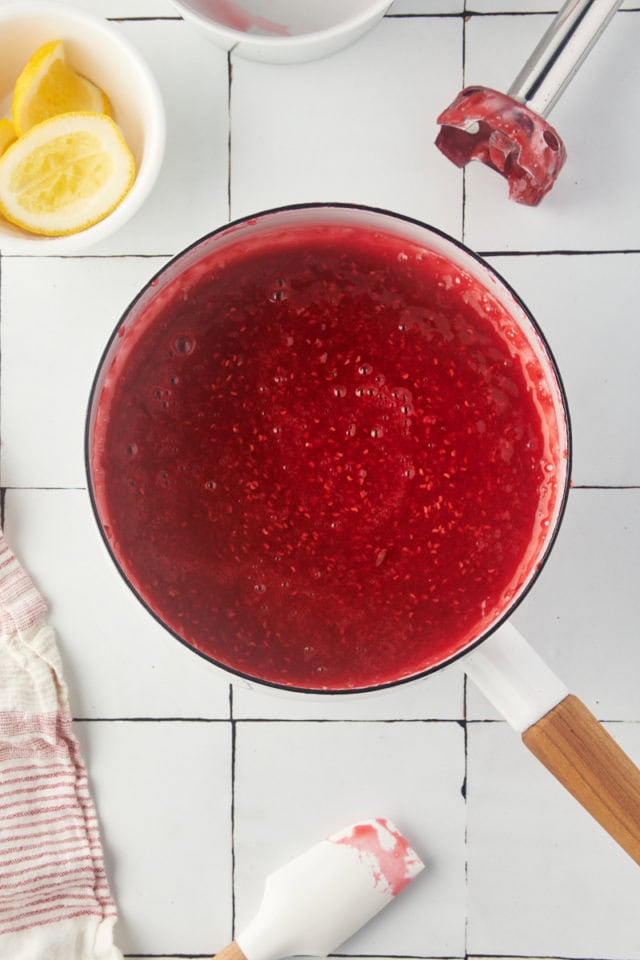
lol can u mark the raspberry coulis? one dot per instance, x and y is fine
(325, 458)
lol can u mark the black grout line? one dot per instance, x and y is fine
(557, 253)
(233, 812)
(623, 251)
(376, 956)
(475, 953)
(469, 13)
(459, 721)
(443, 15)
(9, 487)
(150, 719)
(602, 486)
(233, 829)
(480, 956)
(232, 720)
(466, 813)
(143, 19)
(392, 956)
(91, 256)
(523, 13)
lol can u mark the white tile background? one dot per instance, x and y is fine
(515, 869)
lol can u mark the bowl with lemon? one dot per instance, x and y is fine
(82, 129)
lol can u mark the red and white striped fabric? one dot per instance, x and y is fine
(54, 896)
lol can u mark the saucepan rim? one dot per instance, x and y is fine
(559, 510)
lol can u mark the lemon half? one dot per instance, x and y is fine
(49, 86)
(65, 174)
(7, 134)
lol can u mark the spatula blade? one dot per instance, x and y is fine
(317, 901)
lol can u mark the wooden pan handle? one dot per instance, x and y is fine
(232, 952)
(579, 752)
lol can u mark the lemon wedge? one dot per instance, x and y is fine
(65, 174)
(49, 86)
(7, 134)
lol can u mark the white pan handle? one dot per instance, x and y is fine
(561, 732)
(514, 678)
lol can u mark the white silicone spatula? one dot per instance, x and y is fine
(317, 901)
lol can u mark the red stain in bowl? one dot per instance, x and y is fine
(238, 18)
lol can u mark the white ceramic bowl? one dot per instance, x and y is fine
(283, 31)
(96, 50)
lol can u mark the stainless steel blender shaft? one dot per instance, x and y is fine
(560, 52)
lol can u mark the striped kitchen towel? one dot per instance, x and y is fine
(54, 896)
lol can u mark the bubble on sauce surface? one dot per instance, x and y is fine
(184, 344)
(279, 291)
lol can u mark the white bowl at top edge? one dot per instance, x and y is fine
(283, 31)
(96, 50)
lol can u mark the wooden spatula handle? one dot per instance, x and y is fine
(232, 952)
(579, 752)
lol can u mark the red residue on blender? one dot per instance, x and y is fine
(391, 866)
(504, 134)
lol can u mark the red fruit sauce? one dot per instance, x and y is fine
(325, 458)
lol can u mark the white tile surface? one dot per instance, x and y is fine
(584, 305)
(594, 204)
(162, 794)
(583, 612)
(541, 873)
(426, 7)
(66, 319)
(190, 196)
(342, 129)
(116, 9)
(299, 782)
